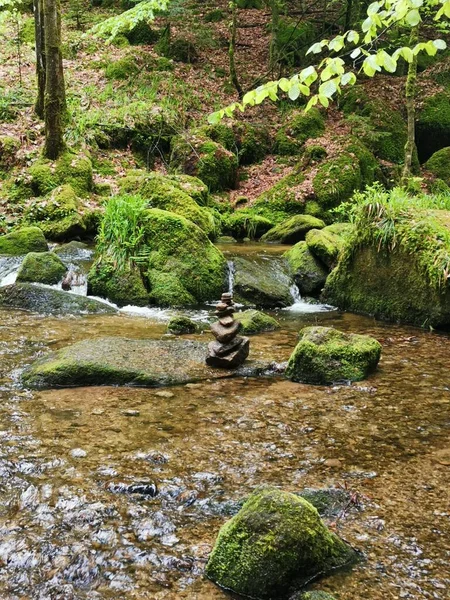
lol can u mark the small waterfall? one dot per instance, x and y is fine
(231, 272)
(295, 293)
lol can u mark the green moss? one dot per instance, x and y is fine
(314, 153)
(327, 244)
(243, 224)
(27, 31)
(181, 325)
(293, 230)
(251, 143)
(123, 68)
(433, 125)
(142, 34)
(22, 241)
(43, 178)
(124, 287)
(180, 50)
(72, 169)
(293, 39)
(255, 321)
(276, 539)
(281, 200)
(300, 127)
(205, 159)
(167, 290)
(9, 147)
(250, 3)
(316, 595)
(41, 267)
(325, 355)
(309, 273)
(439, 164)
(214, 16)
(336, 180)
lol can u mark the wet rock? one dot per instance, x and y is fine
(274, 545)
(181, 325)
(43, 300)
(262, 283)
(255, 321)
(144, 487)
(122, 361)
(229, 350)
(314, 595)
(329, 502)
(41, 267)
(22, 241)
(325, 355)
(293, 230)
(309, 273)
(327, 244)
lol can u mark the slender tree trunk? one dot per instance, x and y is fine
(348, 15)
(410, 93)
(275, 25)
(232, 50)
(55, 101)
(38, 7)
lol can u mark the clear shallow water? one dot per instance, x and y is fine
(66, 533)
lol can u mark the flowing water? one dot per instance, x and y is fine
(72, 528)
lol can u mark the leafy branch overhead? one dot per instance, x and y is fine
(333, 73)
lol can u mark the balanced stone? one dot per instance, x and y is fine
(228, 351)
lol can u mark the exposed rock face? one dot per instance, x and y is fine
(325, 355)
(22, 241)
(42, 267)
(43, 300)
(122, 361)
(274, 544)
(229, 350)
(262, 283)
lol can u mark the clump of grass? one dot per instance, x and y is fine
(122, 231)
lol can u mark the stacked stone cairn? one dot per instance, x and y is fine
(229, 350)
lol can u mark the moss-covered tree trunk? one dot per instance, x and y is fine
(410, 93)
(55, 100)
(232, 50)
(38, 7)
(275, 26)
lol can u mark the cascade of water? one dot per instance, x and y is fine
(231, 272)
(295, 293)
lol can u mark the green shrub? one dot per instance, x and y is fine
(123, 68)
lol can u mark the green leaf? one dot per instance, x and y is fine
(439, 44)
(315, 48)
(328, 89)
(348, 78)
(305, 89)
(413, 18)
(356, 52)
(430, 48)
(337, 43)
(294, 92)
(312, 102)
(284, 84)
(215, 117)
(353, 37)
(324, 101)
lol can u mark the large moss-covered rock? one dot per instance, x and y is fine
(439, 164)
(262, 283)
(309, 273)
(243, 224)
(168, 194)
(433, 125)
(249, 142)
(167, 290)
(274, 544)
(41, 267)
(325, 355)
(326, 244)
(199, 156)
(9, 147)
(122, 361)
(22, 241)
(300, 127)
(72, 169)
(181, 325)
(122, 286)
(44, 300)
(293, 230)
(395, 266)
(255, 321)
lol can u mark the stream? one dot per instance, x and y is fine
(74, 527)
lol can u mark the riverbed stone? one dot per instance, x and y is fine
(122, 361)
(255, 321)
(309, 273)
(28, 296)
(22, 241)
(293, 230)
(325, 355)
(274, 545)
(41, 267)
(262, 283)
(181, 325)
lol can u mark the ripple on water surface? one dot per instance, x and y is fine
(72, 526)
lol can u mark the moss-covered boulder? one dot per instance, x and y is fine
(41, 267)
(122, 286)
(209, 161)
(293, 230)
(169, 194)
(27, 296)
(23, 240)
(300, 127)
(282, 200)
(255, 321)
(308, 272)
(72, 169)
(9, 146)
(433, 125)
(180, 50)
(251, 143)
(326, 244)
(243, 224)
(167, 290)
(62, 215)
(123, 68)
(262, 283)
(274, 544)
(439, 164)
(325, 355)
(181, 325)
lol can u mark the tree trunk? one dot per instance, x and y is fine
(38, 7)
(275, 25)
(410, 93)
(232, 50)
(55, 101)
